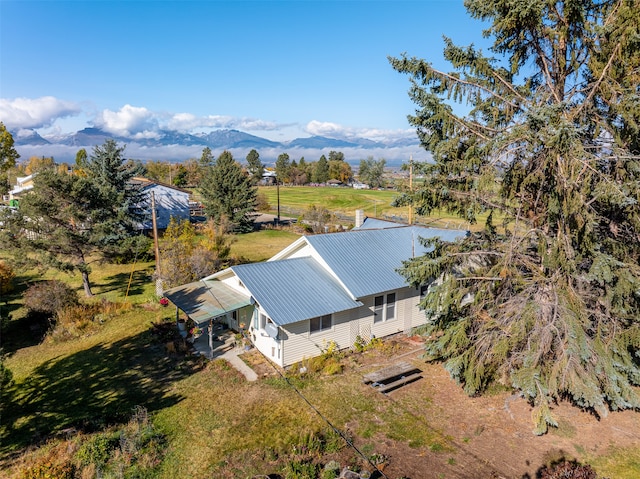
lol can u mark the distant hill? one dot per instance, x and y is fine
(176, 146)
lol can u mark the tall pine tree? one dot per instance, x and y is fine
(69, 221)
(546, 299)
(229, 194)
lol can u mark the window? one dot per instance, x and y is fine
(321, 323)
(391, 307)
(384, 311)
(263, 321)
(378, 309)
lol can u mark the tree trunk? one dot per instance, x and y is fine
(86, 284)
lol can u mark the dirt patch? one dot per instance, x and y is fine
(490, 436)
(482, 437)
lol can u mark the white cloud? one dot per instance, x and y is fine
(128, 121)
(335, 130)
(21, 113)
(187, 122)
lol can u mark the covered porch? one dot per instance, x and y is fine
(217, 311)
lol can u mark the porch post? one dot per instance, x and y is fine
(211, 338)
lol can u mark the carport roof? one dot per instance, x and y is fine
(205, 299)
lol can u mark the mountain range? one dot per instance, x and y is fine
(174, 145)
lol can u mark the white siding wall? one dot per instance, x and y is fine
(298, 343)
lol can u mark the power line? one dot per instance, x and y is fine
(315, 409)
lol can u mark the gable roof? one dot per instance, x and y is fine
(146, 183)
(295, 289)
(366, 261)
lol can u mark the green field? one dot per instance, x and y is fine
(343, 203)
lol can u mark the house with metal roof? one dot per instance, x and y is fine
(170, 201)
(325, 288)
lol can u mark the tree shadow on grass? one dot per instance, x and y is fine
(21, 331)
(91, 389)
(120, 281)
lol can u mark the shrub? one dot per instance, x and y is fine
(82, 319)
(55, 464)
(7, 276)
(74, 321)
(49, 297)
(98, 449)
(568, 470)
(297, 469)
(133, 450)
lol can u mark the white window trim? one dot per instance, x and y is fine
(382, 311)
(322, 330)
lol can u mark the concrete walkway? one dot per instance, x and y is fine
(224, 347)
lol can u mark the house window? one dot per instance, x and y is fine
(321, 323)
(263, 321)
(384, 311)
(391, 307)
(378, 309)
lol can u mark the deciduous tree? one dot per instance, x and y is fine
(371, 171)
(545, 298)
(8, 156)
(185, 259)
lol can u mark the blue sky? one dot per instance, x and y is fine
(277, 69)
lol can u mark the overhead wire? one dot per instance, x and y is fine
(329, 423)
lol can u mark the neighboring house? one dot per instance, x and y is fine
(171, 201)
(23, 184)
(322, 288)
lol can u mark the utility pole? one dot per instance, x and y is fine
(154, 222)
(278, 194)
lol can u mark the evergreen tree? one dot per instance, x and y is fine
(206, 159)
(123, 201)
(321, 172)
(336, 156)
(181, 177)
(255, 166)
(283, 168)
(546, 300)
(54, 226)
(228, 193)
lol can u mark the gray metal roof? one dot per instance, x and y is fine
(375, 223)
(206, 299)
(291, 290)
(367, 260)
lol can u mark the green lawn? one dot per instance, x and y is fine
(262, 245)
(343, 202)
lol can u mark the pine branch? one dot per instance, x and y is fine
(598, 82)
(477, 86)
